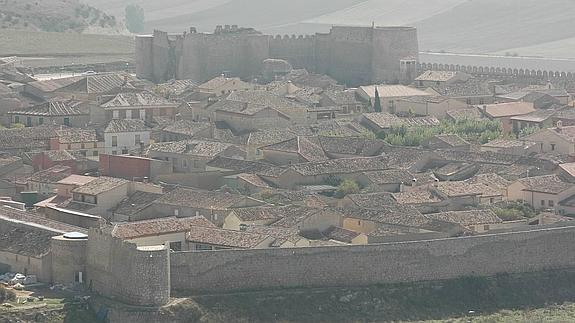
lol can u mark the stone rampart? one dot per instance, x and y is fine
(512, 252)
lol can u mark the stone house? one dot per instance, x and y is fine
(83, 141)
(45, 181)
(53, 112)
(211, 238)
(478, 221)
(186, 129)
(436, 106)
(503, 112)
(541, 192)
(517, 147)
(538, 119)
(183, 202)
(540, 100)
(132, 105)
(389, 180)
(294, 151)
(447, 141)
(382, 121)
(243, 116)
(349, 147)
(345, 100)
(170, 232)
(239, 219)
(124, 135)
(393, 216)
(559, 140)
(220, 86)
(472, 92)
(190, 156)
(388, 95)
(459, 194)
(424, 200)
(346, 236)
(100, 195)
(248, 183)
(284, 237)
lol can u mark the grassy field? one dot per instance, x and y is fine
(22, 43)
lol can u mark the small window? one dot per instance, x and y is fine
(95, 153)
(176, 212)
(83, 146)
(16, 119)
(115, 114)
(114, 152)
(29, 121)
(176, 246)
(40, 121)
(114, 141)
(66, 121)
(124, 151)
(486, 227)
(491, 200)
(551, 203)
(552, 147)
(137, 140)
(542, 202)
(358, 222)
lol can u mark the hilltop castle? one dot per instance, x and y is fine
(351, 55)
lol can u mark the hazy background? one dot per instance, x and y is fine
(526, 27)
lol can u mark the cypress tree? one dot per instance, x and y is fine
(377, 102)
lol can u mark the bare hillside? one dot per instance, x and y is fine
(479, 26)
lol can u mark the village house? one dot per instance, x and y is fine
(440, 78)
(170, 232)
(424, 200)
(538, 119)
(518, 147)
(388, 95)
(283, 237)
(129, 208)
(540, 100)
(133, 105)
(53, 112)
(381, 121)
(210, 238)
(503, 112)
(220, 86)
(44, 182)
(189, 156)
(239, 219)
(294, 151)
(478, 221)
(18, 140)
(354, 146)
(183, 202)
(559, 140)
(541, 192)
(472, 92)
(459, 194)
(345, 100)
(436, 106)
(84, 141)
(345, 236)
(124, 135)
(447, 141)
(186, 129)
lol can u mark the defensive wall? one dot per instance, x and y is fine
(496, 71)
(512, 252)
(352, 55)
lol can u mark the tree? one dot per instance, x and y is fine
(377, 102)
(134, 18)
(347, 187)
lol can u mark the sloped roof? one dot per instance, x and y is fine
(510, 109)
(392, 91)
(160, 226)
(137, 99)
(126, 125)
(53, 108)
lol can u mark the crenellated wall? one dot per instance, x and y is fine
(352, 55)
(496, 71)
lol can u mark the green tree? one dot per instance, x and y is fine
(528, 131)
(377, 102)
(135, 18)
(347, 187)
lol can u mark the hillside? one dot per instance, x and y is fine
(525, 27)
(55, 16)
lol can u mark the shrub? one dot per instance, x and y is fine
(347, 187)
(6, 294)
(134, 18)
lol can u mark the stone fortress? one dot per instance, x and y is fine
(351, 55)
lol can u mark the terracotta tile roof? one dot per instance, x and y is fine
(467, 218)
(490, 179)
(226, 238)
(100, 185)
(53, 108)
(202, 199)
(401, 215)
(457, 189)
(452, 139)
(358, 146)
(76, 180)
(281, 235)
(137, 99)
(191, 147)
(372, 200)
(135, 202)
(187, 127)
(307, 147)
(126, 125)
(245, 166)
(416, 197)
(51, 175)
(156, 227)
(342, 166)
(550, 184)
(261, 213)
(75, 135)
(392, 91)
(390, 176)
(385, 120)
(254, 179)
(58, 155)
(510, 109)
(462, 114)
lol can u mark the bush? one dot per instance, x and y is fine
(347, 187)
(6, 295)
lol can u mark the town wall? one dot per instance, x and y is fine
(512, 252)
(351, 55)
(68, 259)
(119, 270)
(497, 71)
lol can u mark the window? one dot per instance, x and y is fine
(114, 141)
(115, 114)
(176, 212)
(142, 114)
(95, 153)
(184, 163)
(176, 246)
(128, 114)
(552, 147)
(16, 119)
(542, 202)
(124, 151)
(83, 153)
(40, 121)
(551, 203)
(491, 200)
(137, 140)
(83, 146)
(29, 121)
(114, 152)
(486, 227)
(66, 121)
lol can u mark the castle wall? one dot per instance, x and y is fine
(160, 57)
(68, 259)
(513, 252)
(351, 55)
(390, 45)
(144, 57)
(298, 50)
(130, 275)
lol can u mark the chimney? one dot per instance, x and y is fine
(559, 126)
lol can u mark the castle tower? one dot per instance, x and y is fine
(391, 45)
(144, 57)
